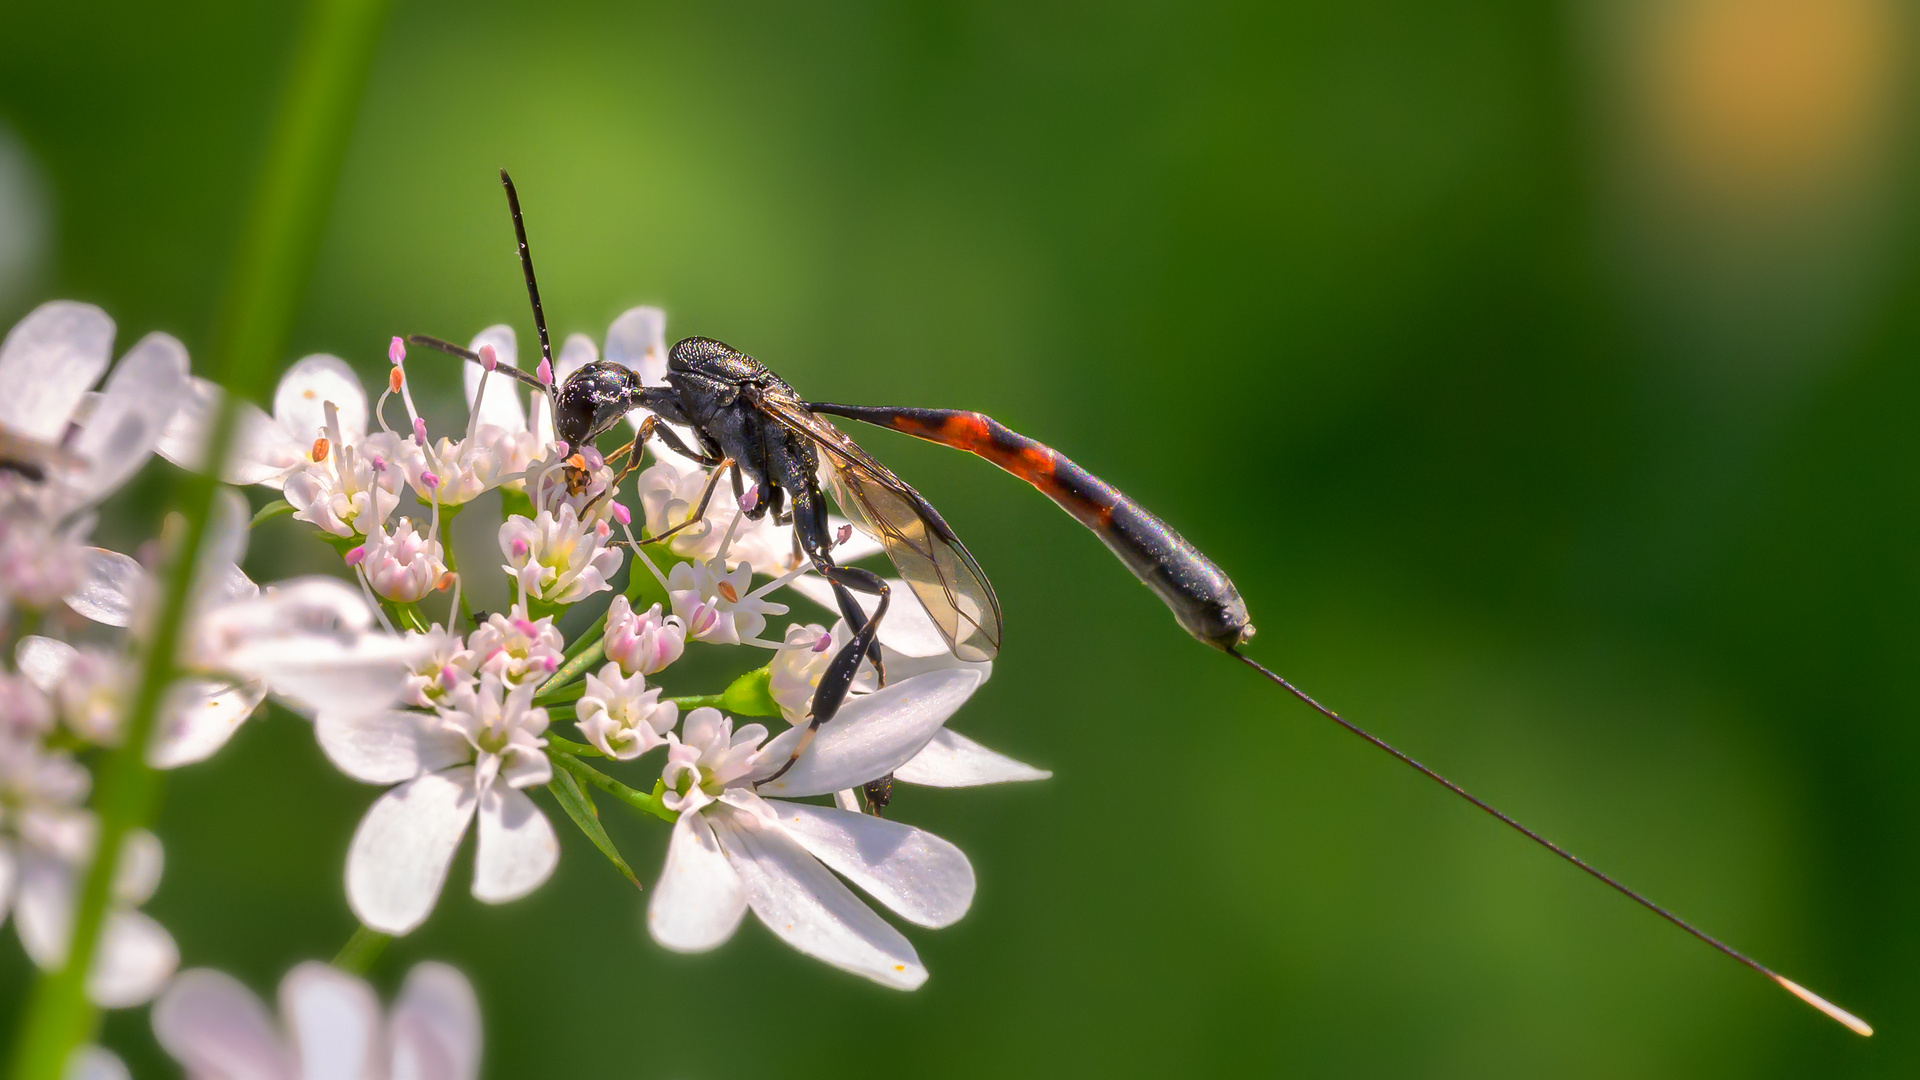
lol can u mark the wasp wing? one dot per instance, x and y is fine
(945, 578)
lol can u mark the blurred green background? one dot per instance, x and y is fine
(1543, 373)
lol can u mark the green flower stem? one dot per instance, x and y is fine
(571, 670)
(581, 771)
(560, 695)
(361, 950)
(274, 509)
(268, 280)
(447, 514)
(561, 713)
(567, 746)
(747, 695)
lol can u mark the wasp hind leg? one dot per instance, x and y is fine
(838, 680)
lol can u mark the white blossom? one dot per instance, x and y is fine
(514, 648)
(331, 1027)
(733, 850)
(348, 488)
(46, 844)
(268, 449)
(404, 565)
(445, 664)
(642, 644)
(49, 363)
(717, 603)
(950, 759)
(557, 557)
(623, 717)
(472, 757)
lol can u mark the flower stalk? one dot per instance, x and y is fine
(268, 280)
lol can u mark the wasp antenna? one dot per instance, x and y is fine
(468, 354)
(1852, 1022)
(526, 267)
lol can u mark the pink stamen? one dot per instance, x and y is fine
(823, 644)
(843, 535)
(519, 548)
(622, 515)
(356, 555)
(544, 372)
(397, 351)
(379, 463)
(751, 499)
(489, 359)
(419, 431)
(449, 676)
(429, 481)
(526, 629)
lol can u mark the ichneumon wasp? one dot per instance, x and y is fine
(751, 425)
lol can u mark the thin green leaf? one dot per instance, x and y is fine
(579, 806)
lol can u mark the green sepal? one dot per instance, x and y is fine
(579, 806)
(274, 509)
(750, 694)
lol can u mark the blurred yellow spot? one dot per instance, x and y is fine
(1756, 100)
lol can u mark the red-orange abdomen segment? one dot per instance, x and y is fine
(1200, 594)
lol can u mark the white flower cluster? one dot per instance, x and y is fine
(463, 719)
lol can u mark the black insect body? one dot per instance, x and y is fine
(753, 426)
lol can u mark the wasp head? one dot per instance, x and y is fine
(594, 399)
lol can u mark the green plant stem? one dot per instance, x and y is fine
(447, 514)
(361, 950)
(571, 670)
(269, 276)
(648, 804)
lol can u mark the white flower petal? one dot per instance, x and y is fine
(217, 1028)
(334, 1021)
(638, 339)
(400, 852)
(299, 403)
(436, 1026)
(808, 908)
(94, 1063)
(43, 908)
(140, 398)
(9, 879)
(48, 361)
(517, 848)
(198, 719)
(321, 676)
(575, 353)
(44, 661)
(922, 877)
(953, 760)
(390, 746)
(135, 959)
(699, 900)
(872, 735)
(110, 588)
(262, 450)
(141, 862)
(907, 629)
(502, 406)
